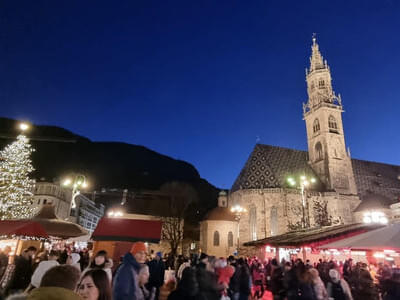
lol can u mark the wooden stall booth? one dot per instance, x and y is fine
(116, 235)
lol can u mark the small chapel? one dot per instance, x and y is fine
(282, 190)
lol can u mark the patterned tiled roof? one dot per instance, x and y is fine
(377, 178)
(270, 166)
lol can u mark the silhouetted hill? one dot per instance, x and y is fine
(60, 152)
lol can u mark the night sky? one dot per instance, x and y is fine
(201, 80)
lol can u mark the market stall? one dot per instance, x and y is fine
(21, 233)
(43, 229)
(116, 235)
(305, 244)
(382, 244)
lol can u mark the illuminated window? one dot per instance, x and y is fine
(230, 239)
(316, 126)
(216, 238)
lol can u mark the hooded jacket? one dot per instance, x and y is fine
(126, 283)
(42, 268)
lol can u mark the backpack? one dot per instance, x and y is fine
(337, 291)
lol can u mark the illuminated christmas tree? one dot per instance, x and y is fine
(16, 188)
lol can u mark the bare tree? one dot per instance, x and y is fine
(179, 196)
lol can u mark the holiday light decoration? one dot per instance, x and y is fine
(16, 188)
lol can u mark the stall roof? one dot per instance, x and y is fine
(22, 228)
(314, 237)
(118, 229)
(387, 237)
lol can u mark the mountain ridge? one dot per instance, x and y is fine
(60, 152)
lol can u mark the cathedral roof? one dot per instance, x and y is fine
(220, 214)
(270, 166)
(373, 201)
(377, 178)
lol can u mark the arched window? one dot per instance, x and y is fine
(230, 239)
(274, 221)
(316, 125)
(44, 201)
(216, 238)
(321, 83)
(253, 223)
(318, 151)
(332, 123)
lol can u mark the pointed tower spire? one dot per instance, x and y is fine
(316, 59)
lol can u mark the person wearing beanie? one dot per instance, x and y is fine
(126, 281)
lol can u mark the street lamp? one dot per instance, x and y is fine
(303, 183)
(77, 183)
(23, 126)
(237, 210)
(115, 214)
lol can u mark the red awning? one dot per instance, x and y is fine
(22, 228)
(116, 229)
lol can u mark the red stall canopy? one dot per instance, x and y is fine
(131, 230)
(22, 228)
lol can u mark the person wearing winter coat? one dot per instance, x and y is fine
(183, 266)
(318, 285)
(43, 267)
(338, 289)
(362, 285)
(143, 278)
(157, 272)
(126, 281)
(23, 271)
(58, 283)
(102, 262)
(276, 281)
(196, 284)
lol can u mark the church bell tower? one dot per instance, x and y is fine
(325, 133)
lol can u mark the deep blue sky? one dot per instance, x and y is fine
(200, 80)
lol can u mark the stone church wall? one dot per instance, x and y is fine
(287, 204)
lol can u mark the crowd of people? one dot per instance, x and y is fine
(72, 275)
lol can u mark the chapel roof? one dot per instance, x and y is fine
(220, 214)
(270, 166)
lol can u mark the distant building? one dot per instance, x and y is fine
(87, 213)
(52, 193)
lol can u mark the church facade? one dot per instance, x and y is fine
(285, 189)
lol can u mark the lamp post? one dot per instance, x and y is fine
(303, 183)
(77, 183)
(115, 214)
(23, 126)
(237, 211)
